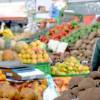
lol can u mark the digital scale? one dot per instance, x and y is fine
(20, 72)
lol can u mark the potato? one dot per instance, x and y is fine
(93, 41)
(92, 35)
(98, 31)
(86, 83)
(66, 95)
(85, 38)
(83, 45)
(86, 41)
(95, 75)
(78, 44)
(75, 81)
(75, 91)
(88, 47)
(90, 94)
(74, 52)
(88, 53)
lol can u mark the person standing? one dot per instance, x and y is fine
(96, 56)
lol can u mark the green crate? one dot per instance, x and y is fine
(71, 75)
(45, 67)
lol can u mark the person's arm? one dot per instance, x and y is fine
(96, 56)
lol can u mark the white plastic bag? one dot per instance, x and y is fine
(50, 93)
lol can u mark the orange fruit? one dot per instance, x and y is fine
(0, 72)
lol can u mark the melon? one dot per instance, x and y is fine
(19, 45)
(8, 55)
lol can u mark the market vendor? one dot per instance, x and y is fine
(96, 56)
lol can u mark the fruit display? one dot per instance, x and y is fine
(24, 91)
(62, 83)
(37, 44)
(83, 48)
(70, 66)
(33, 53)
(59, 31)
(2, 76)
(26, 53)
(83, 88)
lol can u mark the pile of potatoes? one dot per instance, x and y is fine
(83, 48)
(83, 88)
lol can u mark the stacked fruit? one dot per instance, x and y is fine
(70, 66)
(62, 83)
(37, 44)
(2, 76)
(33, 53)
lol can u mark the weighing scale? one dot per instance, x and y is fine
(21, 72)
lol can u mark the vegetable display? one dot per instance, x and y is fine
(83, 48)
(83, 88)
(82, 32)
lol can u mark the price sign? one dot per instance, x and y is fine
(53, 45)
(62, 47)
(57, 47)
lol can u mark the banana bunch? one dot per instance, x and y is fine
(7, 33)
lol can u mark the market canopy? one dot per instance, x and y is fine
(12, 11)
(84, 7)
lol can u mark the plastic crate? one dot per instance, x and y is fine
(45, 67)
(71, 75)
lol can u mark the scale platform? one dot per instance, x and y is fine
(22, 72)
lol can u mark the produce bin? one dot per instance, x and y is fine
(71, 75)
(45, 67)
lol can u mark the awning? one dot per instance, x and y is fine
(12, 11)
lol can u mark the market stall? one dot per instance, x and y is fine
(51, 58)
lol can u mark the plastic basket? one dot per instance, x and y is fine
(45, 67)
